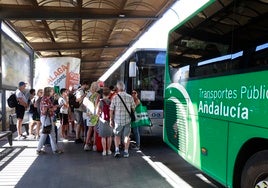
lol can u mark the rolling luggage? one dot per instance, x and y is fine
(98, 141)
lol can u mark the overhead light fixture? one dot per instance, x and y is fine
(122, 15)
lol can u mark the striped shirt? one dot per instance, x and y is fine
(121, 116)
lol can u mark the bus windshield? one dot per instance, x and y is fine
(150, 77)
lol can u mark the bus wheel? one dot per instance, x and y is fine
(255, 172)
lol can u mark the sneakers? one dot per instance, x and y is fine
(22, 137)
(126, 154)
(39, 152)
(31, 136)
(94, 148)
(117, 154)
(107, 153)
(37, 137)
(87, 147)
(58, 152)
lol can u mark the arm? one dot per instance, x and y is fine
(79, 97)
(111, 118)
(21, 102)
(65, 102)
(98, 109)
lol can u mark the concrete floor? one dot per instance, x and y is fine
(154, 166)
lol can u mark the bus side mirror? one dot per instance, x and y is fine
(132, 69)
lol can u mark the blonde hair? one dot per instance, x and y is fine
(40, 91)
(94, 86)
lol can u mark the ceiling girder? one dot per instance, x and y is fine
(25, 12)
(48, 46)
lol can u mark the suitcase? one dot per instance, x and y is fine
(98, 141)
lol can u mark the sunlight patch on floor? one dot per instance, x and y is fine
(173, 179)
(14, 171)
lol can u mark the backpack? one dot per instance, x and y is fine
(72, 101)
(12, 101)
(32, 109)
(105, 110)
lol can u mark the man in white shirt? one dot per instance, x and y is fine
(20, 108)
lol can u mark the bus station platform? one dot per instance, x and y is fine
(155, 165)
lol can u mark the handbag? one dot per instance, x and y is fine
(131, 113)
(47, 128)
(142, 117)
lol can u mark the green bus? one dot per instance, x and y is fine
(216, 91)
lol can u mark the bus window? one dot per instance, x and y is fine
(179, 74)
(260, 57)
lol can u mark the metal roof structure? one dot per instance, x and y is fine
(96, 31)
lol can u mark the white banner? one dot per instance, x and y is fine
(56, 71)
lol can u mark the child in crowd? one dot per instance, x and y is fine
(105, 130)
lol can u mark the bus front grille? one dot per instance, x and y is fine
(176, 124)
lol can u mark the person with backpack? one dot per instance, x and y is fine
(80, 94)
(105, 130)
(64, 108)
(20, 108)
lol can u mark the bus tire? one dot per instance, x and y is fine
(255, 171)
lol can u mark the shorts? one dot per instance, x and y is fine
(36, 116)
(120, 130)
(20, 110)
(78, 117)
(64, 119)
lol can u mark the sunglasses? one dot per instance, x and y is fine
(134, 92)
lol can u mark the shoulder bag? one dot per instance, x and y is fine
(132, 113)
(47, 128)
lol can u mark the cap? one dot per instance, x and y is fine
(22, 84)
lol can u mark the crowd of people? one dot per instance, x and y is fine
(97, 116)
